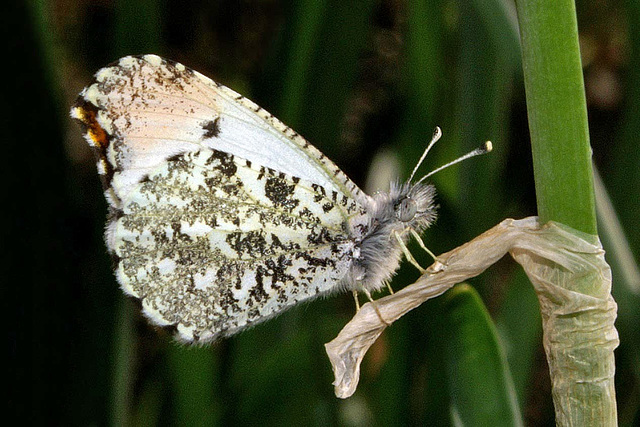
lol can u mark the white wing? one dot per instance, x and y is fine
(212, 243)
(144, 110)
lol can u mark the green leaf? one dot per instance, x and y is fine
(520, 328)
(482, 391)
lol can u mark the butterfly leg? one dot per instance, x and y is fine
(388, 284)
(375, 306)
(355, 298)
(407, 254)
(368, 294)
(421, 243)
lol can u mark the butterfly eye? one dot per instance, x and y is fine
(406, 210)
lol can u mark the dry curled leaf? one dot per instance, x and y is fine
(573, 283)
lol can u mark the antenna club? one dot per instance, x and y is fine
(487, 146)
(437, 133)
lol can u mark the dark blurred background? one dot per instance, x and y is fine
(366, 82)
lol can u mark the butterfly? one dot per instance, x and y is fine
(221, 216)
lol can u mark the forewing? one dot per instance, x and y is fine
(212, 243)
(142, 110)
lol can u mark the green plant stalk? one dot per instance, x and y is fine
(557, 113)
(581, 362)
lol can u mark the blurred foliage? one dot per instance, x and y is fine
(355, 78)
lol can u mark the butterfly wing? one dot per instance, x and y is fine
(212, 243)
(143, 110)
(221, 215)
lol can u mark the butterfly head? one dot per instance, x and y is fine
(413, 205)
(413, 202)
(406, 209)
(393, 216)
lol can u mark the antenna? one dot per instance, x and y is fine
(437, 133)
(483, 149)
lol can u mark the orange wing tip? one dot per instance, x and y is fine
(86, 114)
